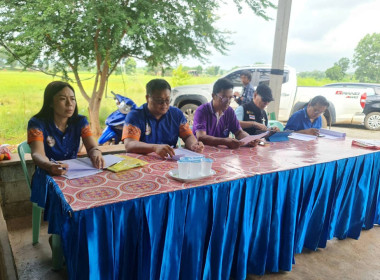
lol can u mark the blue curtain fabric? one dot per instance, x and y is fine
(251, 225)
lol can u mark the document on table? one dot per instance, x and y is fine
(181, 152)
(82, 167)
(250, 138)
(365, 143)
(302, 137)
(331, 134)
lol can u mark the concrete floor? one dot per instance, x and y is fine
(341, 259)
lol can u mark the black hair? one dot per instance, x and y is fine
(265, 92)
(222, 84)
(156, 84)
(47, 111)
(246, 73)
(319, 99)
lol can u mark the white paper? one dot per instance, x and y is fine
(108, 160)
(331, 134)
(181, 152)
(82, 167)
(246, 140)
(367, 142)
(302, 137)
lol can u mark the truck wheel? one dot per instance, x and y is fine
(372, 121)
(189, 110)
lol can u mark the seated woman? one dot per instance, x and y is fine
(54, 133)
(308, 120)
(156, 126)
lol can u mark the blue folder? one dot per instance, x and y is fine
(278, 136)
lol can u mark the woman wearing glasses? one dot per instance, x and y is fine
(214, 121)
(156, 126)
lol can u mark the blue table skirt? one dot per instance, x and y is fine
(251, 225)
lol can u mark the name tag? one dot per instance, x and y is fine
(252, 117)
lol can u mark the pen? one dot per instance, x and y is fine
(60, 168)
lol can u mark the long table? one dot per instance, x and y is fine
(263, 205)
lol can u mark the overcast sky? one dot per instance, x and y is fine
(320, 33)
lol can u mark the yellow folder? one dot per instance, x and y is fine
(126, 163)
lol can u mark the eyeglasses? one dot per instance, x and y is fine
(226, 99)
(317, 111)
(160, 101)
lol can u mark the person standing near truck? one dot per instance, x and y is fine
(247, 92)
(308, 120)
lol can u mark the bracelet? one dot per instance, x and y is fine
(93, 149)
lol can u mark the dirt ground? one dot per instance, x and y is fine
(357, 131)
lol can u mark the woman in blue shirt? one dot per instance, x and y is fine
(54, 133)
(308, 120)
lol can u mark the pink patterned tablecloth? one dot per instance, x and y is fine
(108, 187)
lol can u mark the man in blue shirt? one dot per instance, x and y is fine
(247, 92)
(156, 126)
(308, 120)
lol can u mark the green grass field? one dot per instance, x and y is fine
(21, 96)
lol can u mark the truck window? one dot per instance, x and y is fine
(235, 77)
(265, 76)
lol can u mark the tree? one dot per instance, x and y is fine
(3, 58)
(367, 58)
(102, 33)
(316, 74)
(212, 70)
(335, 73)
(199, 69)
(130, 66)
(343, 63)
(338, 71)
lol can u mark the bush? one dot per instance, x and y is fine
(180, 77)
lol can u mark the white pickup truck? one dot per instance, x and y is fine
(346, 104)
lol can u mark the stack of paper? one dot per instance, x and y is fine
(368, 144)
(302, 137)
(82, 167)
(331, 134)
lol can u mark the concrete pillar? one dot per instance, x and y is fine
(278, 58)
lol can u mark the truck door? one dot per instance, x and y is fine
(287, 91)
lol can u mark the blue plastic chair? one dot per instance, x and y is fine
(276, 124)
(57, 256)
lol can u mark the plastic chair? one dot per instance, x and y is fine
(277, 124)
(57, 256)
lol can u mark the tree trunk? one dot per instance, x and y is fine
(93, 110)
(95, 101)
